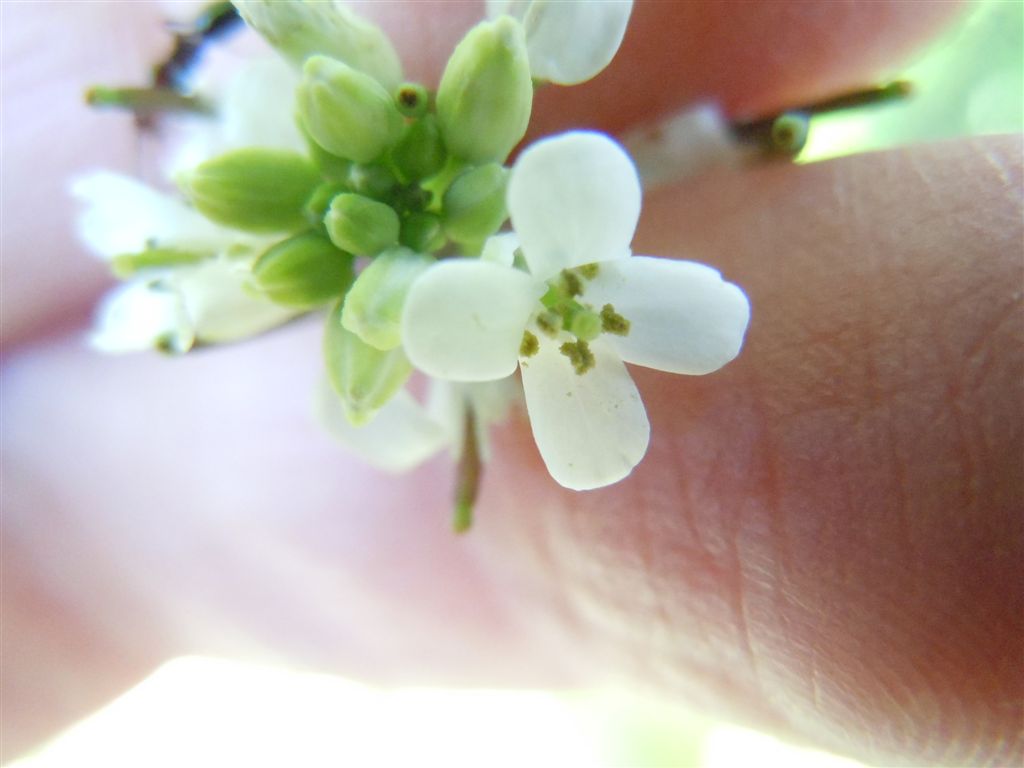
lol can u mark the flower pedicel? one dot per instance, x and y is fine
(384, 205)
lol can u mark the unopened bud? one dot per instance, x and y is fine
(303, 271)
(347, 112)
(485, 96)
(422, 232)
(374, 181)
(299, 30)
(364, 377)
(474, 204)
(360, 225)
(420, 152)
(373, 307)
(412, 99)
(253, 189)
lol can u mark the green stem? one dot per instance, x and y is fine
(468, 474)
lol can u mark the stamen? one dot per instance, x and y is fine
(579, 355)
(612, 322)
(571, 283)
(549, 322)
(529, 346)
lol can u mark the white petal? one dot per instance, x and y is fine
(464, 319)
(501, 249)
(514, 8)
(258, 107)
(573, 199)
(220, 304)
(122, 216)
(684, 318)
(255, 108)
(683, 145)
(591, 429)
(399, 437)
(570, 42)
(141, 315)
(490, 400)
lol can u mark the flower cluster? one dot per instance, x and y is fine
(386, 204)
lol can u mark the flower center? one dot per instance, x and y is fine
(564, 311)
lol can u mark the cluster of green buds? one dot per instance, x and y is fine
(393, 181)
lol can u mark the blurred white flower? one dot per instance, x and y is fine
(404, 433)
(578, 308)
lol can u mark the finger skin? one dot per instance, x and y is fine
(752, 56)
(833, 525)
(825, 536)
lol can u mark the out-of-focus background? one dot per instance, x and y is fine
(208, 712)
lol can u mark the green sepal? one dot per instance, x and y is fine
(360, 225)
(304, 271)
(420, 153)
(373, 307)
(127, 265)
(253, 189)
(474, 204)
(347, 112)
(486, 93)
(364, 377)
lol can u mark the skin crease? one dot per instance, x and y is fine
(825, 536)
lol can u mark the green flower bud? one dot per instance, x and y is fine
(422, 232)
(373, 307)
(485, 96)
(474, 205)
(364, 377)
(332, 167)
(253, 189)
(420, 152)
(412, 99)
(360, 225)
(346, 112)
(374, 181)
(303, 271)
(320, 201)
(300, 29)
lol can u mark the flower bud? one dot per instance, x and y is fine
(420, 152)
(373, 306)
(474, 204)
(360, 225)
(253, 189)
(374, 181)
(485, 96)
(346, 112)
(300, 30)
(412, 99)
(331, 167)
(422, 232)
(303, 271)
(320, 201)
(364, 377)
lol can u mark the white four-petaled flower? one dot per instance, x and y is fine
(574, 202)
